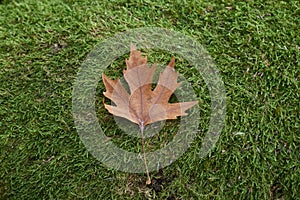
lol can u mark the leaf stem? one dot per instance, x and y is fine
(144, 154)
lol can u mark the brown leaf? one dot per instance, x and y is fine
(144, 106)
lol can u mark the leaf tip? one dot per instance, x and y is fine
(132, 47)
(172, 62)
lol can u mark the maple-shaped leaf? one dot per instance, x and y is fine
(143, 105)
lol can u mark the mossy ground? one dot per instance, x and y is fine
(256, 47)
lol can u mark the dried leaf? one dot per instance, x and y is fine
(144, 106)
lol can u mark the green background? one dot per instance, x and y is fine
(256, 47)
